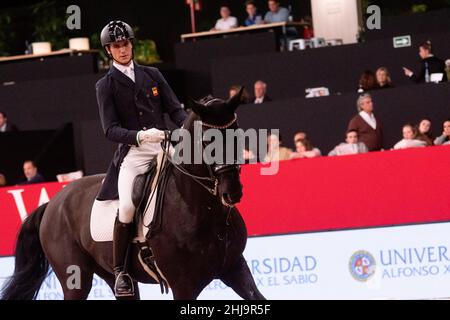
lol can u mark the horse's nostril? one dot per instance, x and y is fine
(227, 200)
(234, 198)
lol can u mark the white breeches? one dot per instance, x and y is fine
(135, 162)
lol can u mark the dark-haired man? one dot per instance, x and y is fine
(132, 100)
(6, 126)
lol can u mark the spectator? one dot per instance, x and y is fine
(3, 182)
(367, 82)
(447, 69)
(445, 138)
(235, 89)
(31, 173)
(276, 13)
(383, 78)
(253, 16)
(304, 149)
(365, 123)
(350, 146)
(299, 136)
(227, 21)
(275, 152)
(248, 156)
(5, 125)
(424, 132)
(409, 138)
(280, 14)
(260, 89)
(429, 65)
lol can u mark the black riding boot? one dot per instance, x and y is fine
(121, 239)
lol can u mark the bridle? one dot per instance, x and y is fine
(225, 126)
(214, 170)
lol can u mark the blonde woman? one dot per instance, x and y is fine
(383, 78)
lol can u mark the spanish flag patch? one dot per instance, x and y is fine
(155, 91)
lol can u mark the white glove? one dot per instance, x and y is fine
(152, 135)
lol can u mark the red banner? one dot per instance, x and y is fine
(369, 190)
(15, 204)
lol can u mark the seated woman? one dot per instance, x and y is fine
(383, 78)
(304, 149)
(409, 139)
(275, 152)
(367, 82)
(424, 132)
(350, 146)
(3, 182)
(444, 139)
(234, 89)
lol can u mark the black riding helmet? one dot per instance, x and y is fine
(116, 31)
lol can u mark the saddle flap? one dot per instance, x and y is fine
(142, 184)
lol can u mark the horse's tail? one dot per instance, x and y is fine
(31, 265)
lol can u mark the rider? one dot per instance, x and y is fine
(131, 100)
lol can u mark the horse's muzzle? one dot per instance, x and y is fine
(231, 200)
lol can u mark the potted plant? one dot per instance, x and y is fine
(145, 52)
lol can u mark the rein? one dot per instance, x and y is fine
(166, 145)
(214, 191)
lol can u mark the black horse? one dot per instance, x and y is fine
(201, 236)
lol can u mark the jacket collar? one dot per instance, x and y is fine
(138, 76)
(119, 76)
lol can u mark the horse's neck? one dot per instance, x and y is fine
(199, 170)
(188, 179)
(186, 182)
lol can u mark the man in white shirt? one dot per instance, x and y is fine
(368, 127)
(227, 21)
(260, 89)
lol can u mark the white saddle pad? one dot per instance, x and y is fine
(103, 215)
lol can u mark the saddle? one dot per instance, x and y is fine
(142, 186)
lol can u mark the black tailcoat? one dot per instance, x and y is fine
(127, 107)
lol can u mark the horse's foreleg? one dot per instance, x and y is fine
(240, 279)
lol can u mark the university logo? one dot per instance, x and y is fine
(362, 266)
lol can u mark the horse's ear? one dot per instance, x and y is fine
(197, 107)
(235, 100)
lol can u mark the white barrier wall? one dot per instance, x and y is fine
(405, 262)
(336, 19)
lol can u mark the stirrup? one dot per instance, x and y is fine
(127, 293)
